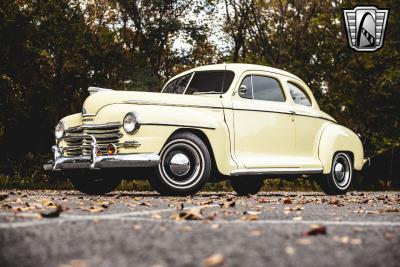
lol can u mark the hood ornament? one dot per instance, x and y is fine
(93, 90)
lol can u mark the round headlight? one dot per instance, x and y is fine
(59, 131)
(130, 123)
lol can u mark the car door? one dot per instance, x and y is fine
(308, 123)
(263, 122)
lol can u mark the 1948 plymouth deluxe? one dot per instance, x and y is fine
(230, 121)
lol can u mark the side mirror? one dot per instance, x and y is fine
(242, 89)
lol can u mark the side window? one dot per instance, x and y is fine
(266, 88)
(245, 89)
(178, 85)
(298, 95)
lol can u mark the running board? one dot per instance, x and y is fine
(276, 171)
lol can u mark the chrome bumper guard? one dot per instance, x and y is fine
(98, 162)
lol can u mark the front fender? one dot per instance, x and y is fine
(335, 138)
(159, 122)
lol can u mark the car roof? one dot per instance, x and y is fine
(240, 67)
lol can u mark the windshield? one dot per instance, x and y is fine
(201, 82)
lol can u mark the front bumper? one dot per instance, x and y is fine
(100, 162)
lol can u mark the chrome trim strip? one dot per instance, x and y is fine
(140, 102)
(144, 102)
(178, 125)
(283, 112)
(101, 126)
(256, 171)
(74, 129)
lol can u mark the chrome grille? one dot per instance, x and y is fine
(74, 145)
(105, 134)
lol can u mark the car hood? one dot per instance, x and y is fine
(100, 99)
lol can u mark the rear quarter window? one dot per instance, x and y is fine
(298, 95)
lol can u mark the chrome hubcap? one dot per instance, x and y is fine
(342, 171)
(179, 164)
(339, 171)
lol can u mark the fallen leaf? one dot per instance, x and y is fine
(251, 212)
(3, 196)
(316, 230)
(255, 233)
(287, 201)
(156, 216)
(389, 210)
(191, 214)
(388, 236)
(304, 241)
(347, 240)
(249, 217)
(207, 202)
(289, 250)
(214, 260)
(29, 215)
(136, 227)
(215, 226)
(48, 202)
(93, 209)
(263, 200)
(186, 228)
(52, 213)
(145, 204)
(372, 212)
(228, 204)
(355, 241)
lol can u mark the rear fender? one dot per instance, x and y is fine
(335, 138)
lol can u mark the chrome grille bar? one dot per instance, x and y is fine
(78, 139)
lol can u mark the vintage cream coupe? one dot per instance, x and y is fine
(230, 121)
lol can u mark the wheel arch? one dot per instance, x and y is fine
(200, 134)
(336, 138)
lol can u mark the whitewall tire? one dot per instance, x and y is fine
(339, 179)
(184, 167)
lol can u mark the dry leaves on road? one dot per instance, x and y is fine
(3, 196)
(316, 230)
(228, 204)
(190, 214)
(250, 215)
(93, 209)
(214, 260)
(347, 240)
(52, 213)
(287, 201)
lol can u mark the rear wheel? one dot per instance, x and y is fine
(94, 182)
(184, 167)
(246, 185)
(339, 179)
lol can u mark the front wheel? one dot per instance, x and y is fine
(94, 182)
(246, 185)
(338, 181)
(184, 167)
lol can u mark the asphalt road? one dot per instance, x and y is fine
(209, 229)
